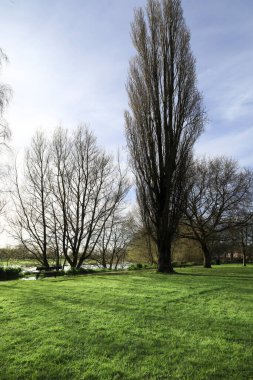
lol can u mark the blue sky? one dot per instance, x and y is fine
(222, 33)
(69, 62)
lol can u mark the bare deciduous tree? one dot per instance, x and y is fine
(87, 188)
(33, 202)
(142, 242)
(5, 93)
(245, 236)
(241, 237)
(220, 193)
(113, 242)
(70, 189)
(166, 117)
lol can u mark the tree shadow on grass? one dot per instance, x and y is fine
(215, 275)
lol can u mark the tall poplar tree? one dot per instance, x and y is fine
(166, 117)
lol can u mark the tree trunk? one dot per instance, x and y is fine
(164, 258)
(149, 248)
(244, 257)
(104, 262)
(45, 261)
(116, 264)
(207, 256)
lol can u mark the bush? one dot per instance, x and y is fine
(135, 266)
(139, 266)
(183, 264)
(53, 273)
(76, 272)
(9, 273)
(150, 266)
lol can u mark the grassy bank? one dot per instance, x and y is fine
(137, 325)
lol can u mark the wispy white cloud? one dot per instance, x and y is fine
(237, 145)
(68, 69)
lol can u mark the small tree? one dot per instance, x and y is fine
(142, 247)
(242, 238)
(113, 242)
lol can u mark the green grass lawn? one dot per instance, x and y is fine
(137, 325)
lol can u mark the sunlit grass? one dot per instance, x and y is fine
(137, 325)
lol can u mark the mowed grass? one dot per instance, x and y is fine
(197, 324)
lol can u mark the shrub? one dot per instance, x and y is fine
(53, 273)
(135, 266)
(76, 272)
(9, 273)
(150, 266)
(183, 264)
